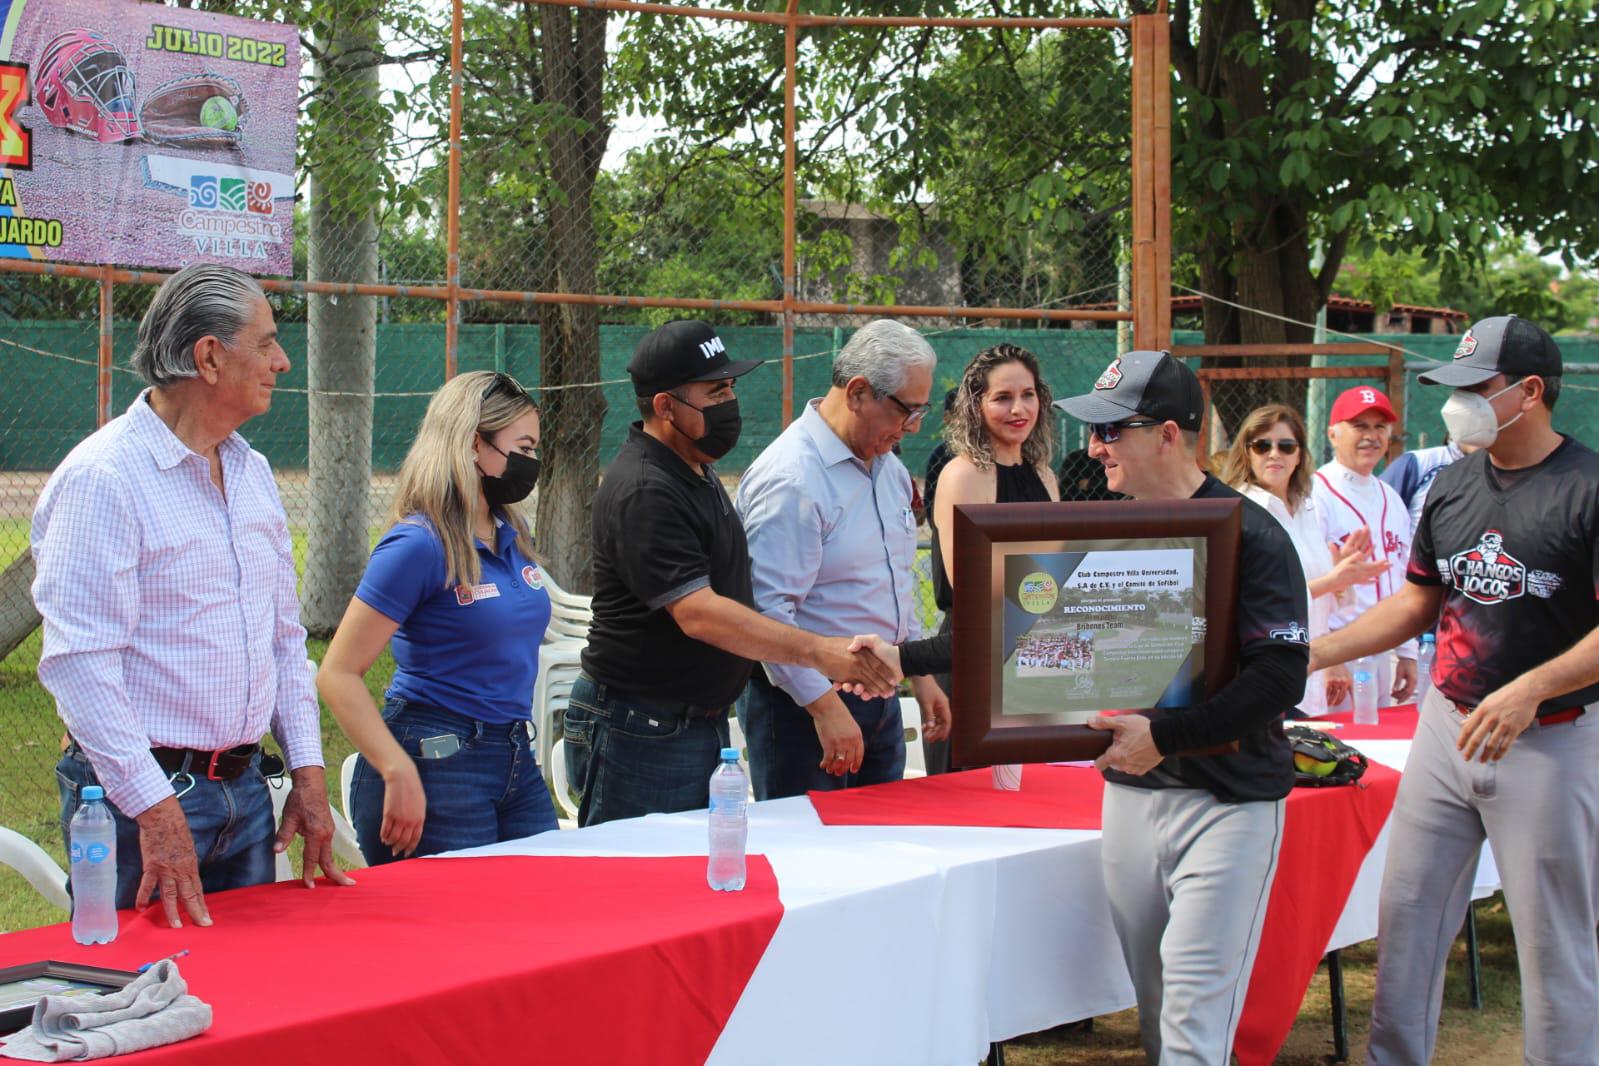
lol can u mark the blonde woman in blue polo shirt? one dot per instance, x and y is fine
(453, 590)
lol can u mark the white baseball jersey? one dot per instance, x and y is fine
(1345, 501)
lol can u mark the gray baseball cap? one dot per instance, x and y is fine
(1501, 345)
(1151, 384)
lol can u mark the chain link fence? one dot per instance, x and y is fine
(596, 170)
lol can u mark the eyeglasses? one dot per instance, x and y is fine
(502, 380)
(913, 415)
(1111, 432)
(1287, 446)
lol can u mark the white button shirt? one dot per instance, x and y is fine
(170, 612)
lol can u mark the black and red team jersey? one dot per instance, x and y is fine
(1518, 558)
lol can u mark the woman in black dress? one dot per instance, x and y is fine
(1001, 435)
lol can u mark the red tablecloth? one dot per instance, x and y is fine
(620, 960)
(1393, 723)
(1327, 833)
(1051, 797)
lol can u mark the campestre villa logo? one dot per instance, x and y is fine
(1037, 593)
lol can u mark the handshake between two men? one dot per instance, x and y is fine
(869, 667)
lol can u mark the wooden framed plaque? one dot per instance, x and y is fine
(1066, 610)
(21, 987)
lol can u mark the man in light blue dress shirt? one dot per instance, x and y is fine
(832, 539)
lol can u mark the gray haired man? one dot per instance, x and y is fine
(832, 538)
(172, 639)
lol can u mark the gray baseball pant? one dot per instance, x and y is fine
(1538, 807)
(1188, 877)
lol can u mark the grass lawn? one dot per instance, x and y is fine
(1489, 1036)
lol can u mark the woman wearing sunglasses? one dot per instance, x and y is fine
(1001, 437)
(1268, 463)
(453, 591)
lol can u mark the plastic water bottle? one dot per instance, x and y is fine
(94, 870)
(1425, 653)
(729, 824)
(1365, 693)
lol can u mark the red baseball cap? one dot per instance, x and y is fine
(1353, 403)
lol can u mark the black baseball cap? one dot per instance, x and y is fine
(1504, 344)
(679, 352)
(1151, 384)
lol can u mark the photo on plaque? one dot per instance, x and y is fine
(1066, 611)
(1091, 625)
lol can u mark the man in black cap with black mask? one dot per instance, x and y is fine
(674, 633)
(1506, 561)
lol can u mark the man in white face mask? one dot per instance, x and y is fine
(1505, 561)
(1356, 508)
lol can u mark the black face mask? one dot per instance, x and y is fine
(521, 474)
(722, 426)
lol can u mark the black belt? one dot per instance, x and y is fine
(665, 708)
(224, 765)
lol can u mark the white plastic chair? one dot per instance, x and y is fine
(36, 866)
(559, 665)
(346, 782)
(561, 788)
(915, 761)
(570, 613)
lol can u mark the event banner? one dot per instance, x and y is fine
(149, 136)
(1101, 625)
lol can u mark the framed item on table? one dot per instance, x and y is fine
(22, 986)
(1064, 611)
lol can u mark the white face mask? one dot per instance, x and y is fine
(1470, 417)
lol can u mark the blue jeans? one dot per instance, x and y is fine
(785, 753)
(628, 759)
(488, 790)
(231, 822)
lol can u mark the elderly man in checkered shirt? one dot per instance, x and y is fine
(172, 640)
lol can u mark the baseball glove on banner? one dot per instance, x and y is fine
(201, 110)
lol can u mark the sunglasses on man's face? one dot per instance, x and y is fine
(1111, 432)
(1263, 446)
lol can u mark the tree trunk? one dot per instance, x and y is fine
(1266, 267)
(573, 47)
(346, 186)
(18, 616)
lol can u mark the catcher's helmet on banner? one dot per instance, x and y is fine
(82, 83)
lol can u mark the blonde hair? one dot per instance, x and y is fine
(964, 429)
(1237, 472)
(439, 481)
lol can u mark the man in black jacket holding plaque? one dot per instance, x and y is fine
(1190, 841)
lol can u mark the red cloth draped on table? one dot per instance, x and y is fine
(1327, 833)
(598, 960)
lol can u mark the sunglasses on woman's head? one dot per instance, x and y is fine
(1287, 446)
(508, 384)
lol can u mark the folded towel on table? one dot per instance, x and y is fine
(152, 1010)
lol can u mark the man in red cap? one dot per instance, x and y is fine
(1360, 512)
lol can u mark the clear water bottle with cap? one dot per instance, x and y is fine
(1365, 689)
(729, 824)
(1426, 652)
(94, 869)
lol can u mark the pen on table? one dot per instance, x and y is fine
(174, 955)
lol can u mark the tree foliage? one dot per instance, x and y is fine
(1432, 128)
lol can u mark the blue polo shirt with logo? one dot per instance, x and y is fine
(474, 651)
